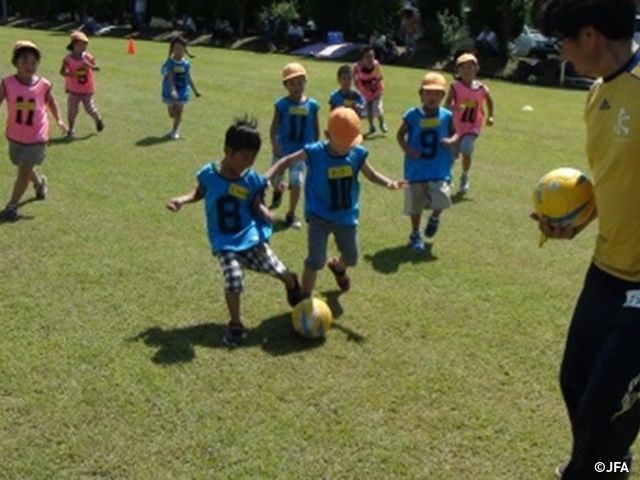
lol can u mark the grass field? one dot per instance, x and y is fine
(443, 365)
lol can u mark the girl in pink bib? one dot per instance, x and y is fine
(368, 78)
(28, 96)
(78, 68)
(466, 100)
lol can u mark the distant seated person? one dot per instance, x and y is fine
(90, 25)
(222, 30)
(295, 35)
(311, 29)
(487, 44)
(189, 26)
(378, 41)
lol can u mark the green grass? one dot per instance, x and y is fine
(443, 366)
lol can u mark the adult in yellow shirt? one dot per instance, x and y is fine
(600, 372)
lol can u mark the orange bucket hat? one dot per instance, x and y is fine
(344, 128)
(466, 57)
(25, 44)
(433, 81)
(293, 70)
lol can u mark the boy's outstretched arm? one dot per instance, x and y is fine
(55, 111)
(193, 87)
(273, 134)
(448, 102)
(490, 109)
(260, 210)
(195, 195)
(3, 94)
(316, 128)
(453, 136)
(281, 165)
(401, 138)
(379, 179)
(64, 71)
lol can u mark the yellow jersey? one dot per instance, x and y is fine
(612, 116)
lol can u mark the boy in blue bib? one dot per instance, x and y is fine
(238, 222)
(331, 194)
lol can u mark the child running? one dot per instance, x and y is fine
(331, 192)
(238, 222)
(425, 136)
(294, 124)
(466, 100)
(368, 76)
(177, 82)
(77, 68)
(346, 95)
(28, 96)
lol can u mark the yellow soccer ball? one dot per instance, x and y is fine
(311, 318)
(565, 197)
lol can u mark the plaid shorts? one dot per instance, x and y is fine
(259, 259)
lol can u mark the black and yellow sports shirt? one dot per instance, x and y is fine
(613, 148)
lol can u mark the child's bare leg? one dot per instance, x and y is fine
(21, 183)
(383, 126)
(294, 198)
(34, 177)
(177, 117)
(289, 279)
(415, 222)
(466, 163)
(233, 304)
(72, 111)
(308, 281)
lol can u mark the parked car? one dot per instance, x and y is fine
(531, 43)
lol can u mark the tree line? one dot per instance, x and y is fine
(352, 17)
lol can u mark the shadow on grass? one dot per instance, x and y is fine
(151, 141)
(22, 203)
(389, 259)
(460, 198)
(333, 300)
(177, 345)
(66, 140)
(280, 226)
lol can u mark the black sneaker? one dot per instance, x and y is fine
(294, 294)
(276, 199)
(233, 335)
(292, 221)
(432, 227)
(99, 125)
(10, 213)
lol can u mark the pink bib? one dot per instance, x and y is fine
(369, 84)
(468, 107)
(27, 120)
(81, 80)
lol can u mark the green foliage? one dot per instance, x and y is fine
(505, 17)
(355, 17)
(450, 26)
(446, 12)
(285, 12)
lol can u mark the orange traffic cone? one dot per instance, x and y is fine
(131, 47)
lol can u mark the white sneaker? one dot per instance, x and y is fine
(174, 135)
(464, 183)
